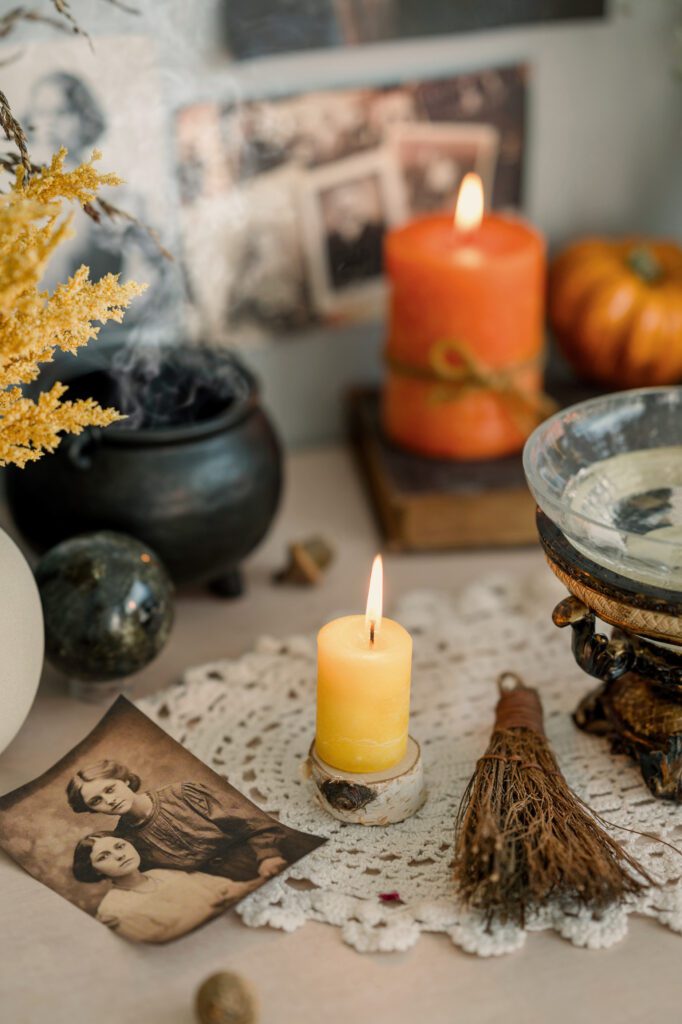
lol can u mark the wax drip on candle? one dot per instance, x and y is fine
(375, 599)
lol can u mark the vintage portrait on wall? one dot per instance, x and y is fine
(245, 262)
(433, 159)
(285, 202)
(346, 209)
(307, 130)
(202, 169)
(136, 831)
(66, 94)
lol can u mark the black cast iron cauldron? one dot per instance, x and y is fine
(202, 493)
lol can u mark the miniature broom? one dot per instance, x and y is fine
(522, 835)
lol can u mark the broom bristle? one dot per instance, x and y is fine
(523, 837)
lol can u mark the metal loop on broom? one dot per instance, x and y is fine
(518, 682)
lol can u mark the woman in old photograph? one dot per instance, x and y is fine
(155, 905)
(184, 826)
(355, 226)
(64, 110)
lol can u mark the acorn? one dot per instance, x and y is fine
(226, 998)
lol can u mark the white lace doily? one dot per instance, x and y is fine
(252, 720)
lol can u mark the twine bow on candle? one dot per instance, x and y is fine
(452, 378)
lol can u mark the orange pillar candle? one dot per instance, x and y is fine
(466, 336)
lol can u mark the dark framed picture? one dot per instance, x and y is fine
(256, 28)
(347, 207)
(433, 159)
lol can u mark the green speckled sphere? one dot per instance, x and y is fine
(107, 603)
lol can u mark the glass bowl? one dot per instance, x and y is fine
(608, 473)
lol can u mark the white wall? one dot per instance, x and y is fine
(603, 155)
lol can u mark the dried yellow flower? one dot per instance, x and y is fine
(34, 323)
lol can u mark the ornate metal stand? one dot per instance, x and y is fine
(639, 704)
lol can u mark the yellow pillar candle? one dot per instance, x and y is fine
(363, 688)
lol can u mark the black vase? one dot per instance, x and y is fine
(201, 493)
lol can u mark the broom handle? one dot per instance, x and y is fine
(518, 708)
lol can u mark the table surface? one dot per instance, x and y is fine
(57, 966)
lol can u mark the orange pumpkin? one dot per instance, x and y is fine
(616, 309)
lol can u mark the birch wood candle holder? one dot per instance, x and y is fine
(370, 798)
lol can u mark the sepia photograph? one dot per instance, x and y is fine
(286, 201)
(496, 97)
(136, 831)
(243, 252)
(347, 208)
(201, 164)
(434, 158)
(308, 130)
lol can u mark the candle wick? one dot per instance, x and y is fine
(371, 633)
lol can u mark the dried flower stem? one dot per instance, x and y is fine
(9, 21)
(114, 212)
(62, 7)
(33, 323)
(13, 131)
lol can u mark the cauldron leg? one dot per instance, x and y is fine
(230, 583)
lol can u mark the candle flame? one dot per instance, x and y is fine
(375, 599)
(469, 208)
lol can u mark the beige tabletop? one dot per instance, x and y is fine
(58, 967)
